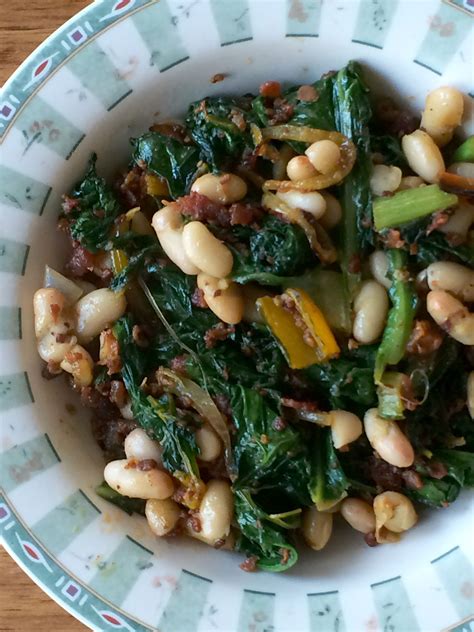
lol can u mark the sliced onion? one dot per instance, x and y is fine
(310, 135)
(318, 238)
(202, 402)
(71, 291)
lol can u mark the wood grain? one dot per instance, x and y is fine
(25, 607)
(24, 24)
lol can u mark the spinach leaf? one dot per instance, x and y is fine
(328, 482)
(220, 126)
(460, 465)
(157, 416)
(260, 537)
(169, 158)
(136, 262)
(92, 220)
(435, 492)
(353, 113)
(275, 249)
(129, 505)
(265, 456)
(318, 114)
(435, 246)
(250, 356)
(345, 383)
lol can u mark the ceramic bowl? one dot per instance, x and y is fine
(106, 75)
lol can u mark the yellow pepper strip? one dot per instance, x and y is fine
(156, 185)
(298, 352)
(119, 260)
(316, 323)
(310, 135)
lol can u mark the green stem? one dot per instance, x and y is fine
(406, 206)
(400, 317)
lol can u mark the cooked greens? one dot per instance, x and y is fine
(255, 393)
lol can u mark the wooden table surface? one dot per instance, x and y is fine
(24, 24)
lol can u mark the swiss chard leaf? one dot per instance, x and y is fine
(220, 126)
(92, 220)
(328, 482)
(352, 116)
(169, 158)
(275, 249)
(157, 416)
(260, 537)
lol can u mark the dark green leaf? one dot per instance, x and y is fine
(390, 149)
(261, 538)
(328, 482)
(274, 249)
(129, 505)
(158, 417)
(220, 126)
(91, 222)
(435, 493)
(169, 158)
(352, 116)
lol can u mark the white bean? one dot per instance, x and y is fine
(50, 350)
(205, 251)
(463, 169)
(423, 155)
(345, 427)
(394, 513)
(385, 179)
(226, 188)
(216, 511)
(139, 446)
(168, 225)
(371, 308)
(411, 182)
(309, 201)
(460, 221)
(443, 112)
(300, 168)
(97, 311)
(48, 305)
(470, 394)
(208, 442)
(79, 363)
(333, 213)
(451, 315)
(324, 155)
(378, 264)
(359, 514)
(386, 438)
(127, 480)
(53, 325)
(223, 297)
(316, 527)
(452, 277)
(162, 515)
